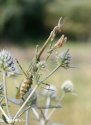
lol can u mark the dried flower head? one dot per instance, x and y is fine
(50, 91)
(7, 63)
(60, 42)
(64, 59)
(67, 86)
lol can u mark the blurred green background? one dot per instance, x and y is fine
(23, 20)
(24, 23)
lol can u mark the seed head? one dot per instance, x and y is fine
(67, 86)
(64, 59)
(50, 91)
(7, 63)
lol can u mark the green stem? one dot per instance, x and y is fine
(5, 93)
(4, 113)
(36, 113)
(25, 102)
(51, 73)
(60, 99)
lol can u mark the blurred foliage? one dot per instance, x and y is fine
(25, 19)
(77, 17)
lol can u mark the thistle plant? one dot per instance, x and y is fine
(29, 91)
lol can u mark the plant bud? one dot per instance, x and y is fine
(67, 86)
(50, 91)
(64, 59)
(60, 42)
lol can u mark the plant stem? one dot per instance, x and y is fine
(54, 70)
(47, 105)
(60, 99)
(50, 38)
(5, 92)
(48, 117)
(4, 114)
(42, 121)
(25, 102)
(36, 113)
(27, 117)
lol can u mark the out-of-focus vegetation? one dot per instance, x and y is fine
(25, 19)
(77, 109)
